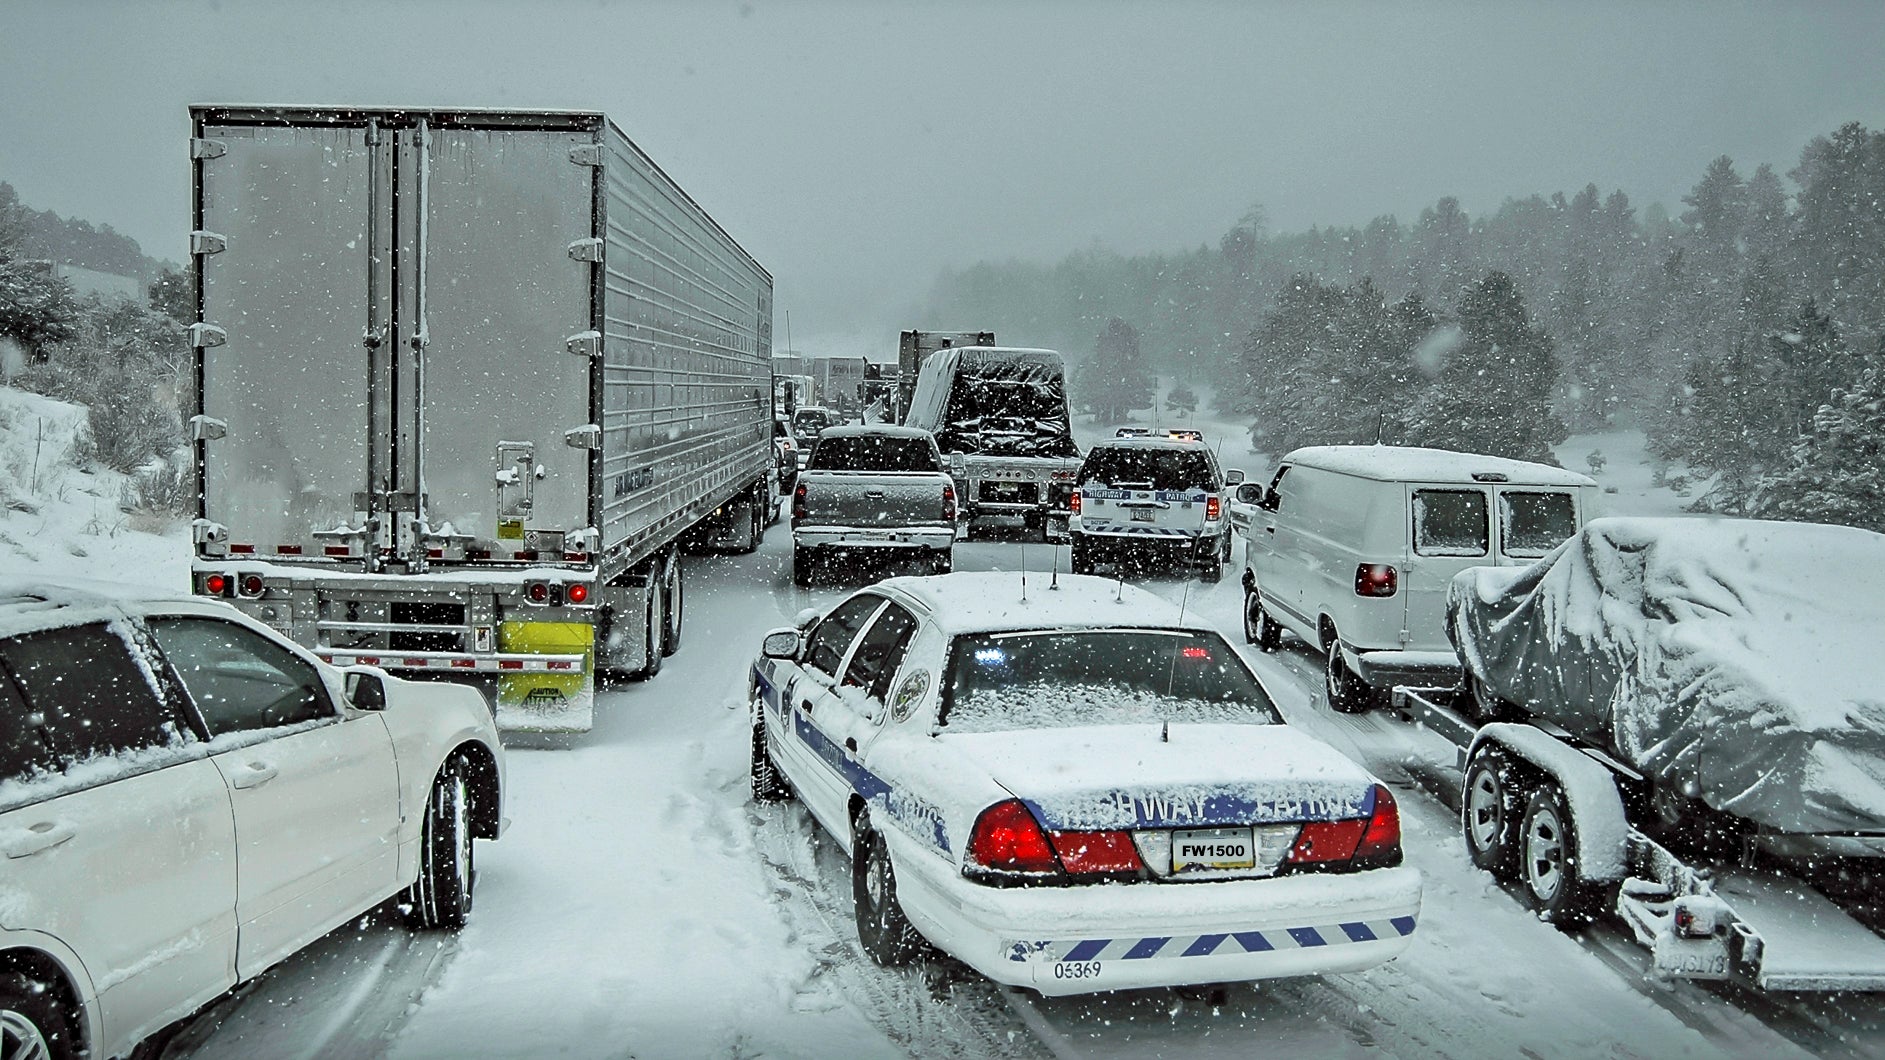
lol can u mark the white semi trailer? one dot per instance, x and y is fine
(467, 381)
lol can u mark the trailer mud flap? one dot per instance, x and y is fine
(547, 702)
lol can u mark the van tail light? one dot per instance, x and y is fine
(949, 503)
(1376, 579)
(798, 503)
(1073, 503)
(1088, 853)
(1370, 842)
(1213, 509)
(1007, 843)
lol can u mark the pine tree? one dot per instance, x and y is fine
(1115, 381)
(1494, 394)
(1837, 472)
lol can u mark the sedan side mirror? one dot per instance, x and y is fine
(780, 644)
(365, 690)
(1234, 476)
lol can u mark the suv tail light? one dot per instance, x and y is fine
(1370, 842)
(1007, 842)
(949, 503)
(1213, 509)
(798, 503)
(1376, 579)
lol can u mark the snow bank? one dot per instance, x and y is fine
(1734, 658)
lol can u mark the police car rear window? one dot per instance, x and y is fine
(1165, 469)
(1002, 681)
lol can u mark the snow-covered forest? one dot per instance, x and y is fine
(1743, 333)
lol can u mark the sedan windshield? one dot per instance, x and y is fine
(1000, 681)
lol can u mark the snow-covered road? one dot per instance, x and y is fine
(641, 905)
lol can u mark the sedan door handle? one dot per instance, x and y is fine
(45, 835)
(850, 744)
(1269, 529)
(254, 775)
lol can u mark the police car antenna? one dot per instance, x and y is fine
(1054, 581)
(1024, 574)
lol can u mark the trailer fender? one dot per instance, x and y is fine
(1596, 806)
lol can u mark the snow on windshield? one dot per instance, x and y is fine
(1003, 681)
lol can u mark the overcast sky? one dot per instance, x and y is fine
(858, 148)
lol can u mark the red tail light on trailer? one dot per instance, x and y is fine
(250, 585)
(577, 593)
(1376, 579)
(217, 584)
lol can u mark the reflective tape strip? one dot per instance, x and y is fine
(510, 664)
(1267, 941)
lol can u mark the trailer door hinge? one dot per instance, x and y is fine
(586, 250)
(207, 428)
(586, 154)
(206, 335)
(585, 343)
(201, 147)
(588, 436)
(207, 243)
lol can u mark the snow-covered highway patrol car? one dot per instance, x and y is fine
(1073, 788)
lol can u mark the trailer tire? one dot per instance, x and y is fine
(1548, 861)
(674, 606)
(1489, 812)
(654, 623)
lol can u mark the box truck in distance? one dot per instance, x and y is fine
(467, 381)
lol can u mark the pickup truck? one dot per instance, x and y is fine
(878, 488)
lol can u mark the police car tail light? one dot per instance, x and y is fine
(949, 504)
(1213, 509)
(1376, 579)
(1008, 840)
(1321, 842)
(1381, 843)
(1097, 852)
(1073, 502)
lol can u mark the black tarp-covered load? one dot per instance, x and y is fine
(1739, 660)
(995, 401)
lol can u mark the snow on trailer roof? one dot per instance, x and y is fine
(873, 430)
(1397, 463)
(985, 602)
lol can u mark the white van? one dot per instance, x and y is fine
(1351, 548)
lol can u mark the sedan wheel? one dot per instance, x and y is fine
(882, 929)
(768, 784)
(441, 897)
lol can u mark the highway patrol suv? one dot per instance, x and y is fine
(1143, 497)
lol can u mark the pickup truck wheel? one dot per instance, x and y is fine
(768, 784)
(1212, 571)
(441, 897)
(1547, 849)
(882, 929)
(802, 567)
(1223, 549)
(1348, 693)
(34, 1023)
(1489, 812)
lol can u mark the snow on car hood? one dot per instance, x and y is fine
(1125, 776)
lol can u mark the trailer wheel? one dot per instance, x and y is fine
(651, 630)
(674, 608)
(1348, 693)
(1489, 811)
(1548, 860)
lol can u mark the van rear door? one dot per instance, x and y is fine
(1450, 529)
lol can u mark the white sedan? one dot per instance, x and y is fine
(186, 798)
(1074, 788)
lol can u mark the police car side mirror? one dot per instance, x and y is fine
(806, 619)
(1234, 477)
(780, 644)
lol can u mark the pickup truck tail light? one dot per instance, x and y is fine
(1213, 509)
(949, 503)
(1357, 843)
(1008, 845)
(1376, 579)
(798, 503)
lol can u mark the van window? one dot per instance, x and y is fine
(96, 697)
(1532, 524)
(1450, 523)
(1165, 469)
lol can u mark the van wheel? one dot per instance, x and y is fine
(1548, 858)
(1348, 693)
(1259, 628)
(33, 1021)
(1489, 812)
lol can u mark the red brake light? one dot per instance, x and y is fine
(1085, 852)
(949, 504)
(216, 584)
(537, 592)
(250, 585)
(1383, 838)
(1322, 841)
(1376, 579)
(798, 503)
(1007, 838)
(1195, 652)
(1213, 508)
(577, 593)
(1073, 502)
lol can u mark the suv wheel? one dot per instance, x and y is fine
(33, 1022)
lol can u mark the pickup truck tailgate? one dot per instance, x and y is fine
(872, 499)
